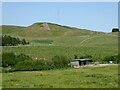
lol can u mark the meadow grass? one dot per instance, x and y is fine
(48, 51)
(35, 30)
(62, 40)
(98, 47)
(84, 77)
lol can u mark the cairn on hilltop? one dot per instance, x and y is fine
(46, 26)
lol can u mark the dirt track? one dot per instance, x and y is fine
(100, 65)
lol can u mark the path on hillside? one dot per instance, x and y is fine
(95, 37)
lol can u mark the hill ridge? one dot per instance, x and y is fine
(46, 29)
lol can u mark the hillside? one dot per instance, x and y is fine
(48, 39)
(43, 29)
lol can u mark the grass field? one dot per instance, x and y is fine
(98, 46)
(68, 41)
(49, 51)
(84, 77)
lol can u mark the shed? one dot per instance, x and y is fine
(81, 62)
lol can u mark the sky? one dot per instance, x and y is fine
(97, 16)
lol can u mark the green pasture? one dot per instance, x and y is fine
(67, 41)
(98, 46)
(49, 51)
(84, 77)
(35, 31)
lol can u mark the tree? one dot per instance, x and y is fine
(75, 57)
(115, 30)
(12, 41)
(23, 42)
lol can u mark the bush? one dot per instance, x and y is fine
(22, 62)
(24, 42)
(86, 56)
(43, 65)
(8, 59)
(32, 65)
(23, 57)
(0, 60)
(75, 57)
(113, 58)
(24, 66)
(60, 61)
(115, 30)
(119, 59)
(6, 70)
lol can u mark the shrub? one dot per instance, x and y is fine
(75, 57)
(113, 58)
(23, 62)
(115, 30)
(24, 42)
(42, 65)
(0, 60)
(60, 61)
(23, 57)
(86, 56)
(24, 66)
(6, 70)
(8, 59)
(119, 59)
(32, 65)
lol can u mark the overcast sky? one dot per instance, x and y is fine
(99, 16)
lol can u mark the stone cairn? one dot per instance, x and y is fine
(46, 26)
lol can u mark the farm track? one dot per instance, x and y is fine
(101, 65)
(96, 37)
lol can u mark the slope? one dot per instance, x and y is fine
(41, 30)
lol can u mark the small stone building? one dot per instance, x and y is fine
(80, 62)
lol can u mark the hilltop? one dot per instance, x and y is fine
(45, 29)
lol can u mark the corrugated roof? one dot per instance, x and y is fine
(85, 59)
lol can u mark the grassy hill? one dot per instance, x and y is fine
(49, 32)
(48, 39)
(39, 30)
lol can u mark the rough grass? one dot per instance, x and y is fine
(50, 51)
(98, 47)
(35, 30)
(65, 41)
(84, 77)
